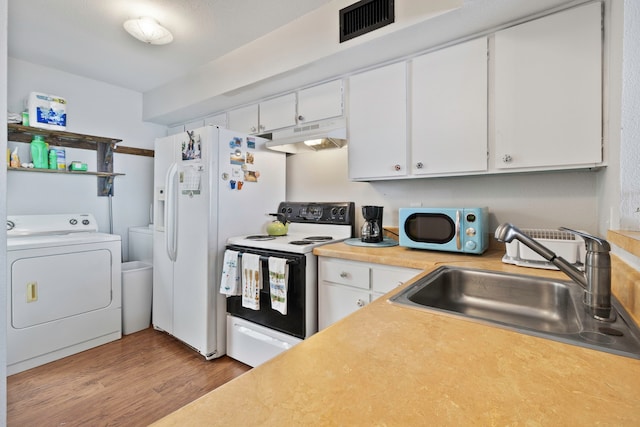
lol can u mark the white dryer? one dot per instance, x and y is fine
(63, 288)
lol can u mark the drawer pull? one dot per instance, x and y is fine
(344, 274)
(360, 303)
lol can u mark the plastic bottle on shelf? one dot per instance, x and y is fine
(53, 158)
(15, 159)
(61, 159)
(39, 152)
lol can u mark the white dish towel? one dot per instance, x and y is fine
(230, 280)
(278, 279)
(251, 281)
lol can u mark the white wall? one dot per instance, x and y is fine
(630, 126)
(3, 213)
(93, 108)
(544, 200)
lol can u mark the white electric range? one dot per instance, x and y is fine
(255, 336)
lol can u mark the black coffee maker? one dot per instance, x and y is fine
(372, 228)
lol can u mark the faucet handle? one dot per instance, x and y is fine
(593, 243)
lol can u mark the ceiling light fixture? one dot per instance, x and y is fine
(148, 30)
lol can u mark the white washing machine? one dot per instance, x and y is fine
(64, 291)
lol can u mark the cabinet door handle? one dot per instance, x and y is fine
(301, 118)
(344, 274)
(360, 303)
(253, 128)
(507, 158)
(397, 167)
(419, 165)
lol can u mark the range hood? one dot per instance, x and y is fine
(316, 136)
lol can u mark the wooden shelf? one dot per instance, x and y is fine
(59, 138)
(64, 172)
(104, 148)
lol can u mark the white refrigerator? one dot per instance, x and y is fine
(209, 184)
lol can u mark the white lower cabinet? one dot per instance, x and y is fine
(345, 286)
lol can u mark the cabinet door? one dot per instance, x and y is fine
(194, 125)
(217, 120)
(386, 278)
(337, 301)
(320, 102)
(378, 123)
(548, 91)
(278, 113)
(244, 119)
(449, 110)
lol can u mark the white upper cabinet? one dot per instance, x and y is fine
(378, 123)
(548, 92)
(320, 102)
(277, 113)
(217, 120)
(449, 110)
(244, 119)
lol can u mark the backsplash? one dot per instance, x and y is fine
(625, 279)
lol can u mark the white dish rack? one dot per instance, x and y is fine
(563, 243)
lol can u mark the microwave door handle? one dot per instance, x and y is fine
(458, 236)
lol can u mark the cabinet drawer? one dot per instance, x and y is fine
(344, 273)
(385, 279)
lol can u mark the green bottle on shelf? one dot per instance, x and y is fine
(39, 152)
(53, 158)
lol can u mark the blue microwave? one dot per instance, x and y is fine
(464, 230)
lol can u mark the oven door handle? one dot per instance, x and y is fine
(262, 337)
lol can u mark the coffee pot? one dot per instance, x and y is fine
(372, 228)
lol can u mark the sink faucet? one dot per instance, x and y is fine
(596, 278)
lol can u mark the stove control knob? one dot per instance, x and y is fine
(342, 211)
(73, 221)
(85, 222)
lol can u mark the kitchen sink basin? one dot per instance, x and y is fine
(532, 305)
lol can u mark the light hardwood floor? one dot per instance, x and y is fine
(130, 382)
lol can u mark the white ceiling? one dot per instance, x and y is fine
(86, 37)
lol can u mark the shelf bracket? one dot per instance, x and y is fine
(105, 164)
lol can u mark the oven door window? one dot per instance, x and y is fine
(430, 228)
(293, 323)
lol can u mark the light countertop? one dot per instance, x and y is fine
(392, 365)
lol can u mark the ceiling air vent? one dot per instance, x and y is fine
(365, 16)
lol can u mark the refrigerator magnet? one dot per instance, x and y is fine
(251, 143)
(236, 157)
(251, 176)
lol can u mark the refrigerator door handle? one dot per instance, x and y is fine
(171, 213)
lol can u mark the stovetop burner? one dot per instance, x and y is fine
(260, 237)
(318, 238)
(300, 242)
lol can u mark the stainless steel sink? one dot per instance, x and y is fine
(528, 304)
